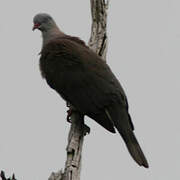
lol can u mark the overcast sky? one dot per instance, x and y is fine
(143, 52)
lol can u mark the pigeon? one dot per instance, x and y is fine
(83, 79)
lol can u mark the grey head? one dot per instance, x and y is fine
(46, 24)
(43, 22)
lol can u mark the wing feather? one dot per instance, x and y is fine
(82, 78)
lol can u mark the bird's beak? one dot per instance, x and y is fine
(36, 26)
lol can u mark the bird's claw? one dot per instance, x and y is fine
(86, 129)
(69, 113)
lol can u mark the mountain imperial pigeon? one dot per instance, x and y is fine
(84, 80)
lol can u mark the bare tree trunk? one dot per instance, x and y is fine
(98, 39)
(98, 42)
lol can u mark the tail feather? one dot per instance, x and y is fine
(123, 124)
(135, 149)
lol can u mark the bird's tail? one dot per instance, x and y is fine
(134, 148)
(123, 123)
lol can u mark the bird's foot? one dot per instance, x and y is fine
(86, 129)
(69, 113)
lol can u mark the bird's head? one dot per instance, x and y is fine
(43, 22)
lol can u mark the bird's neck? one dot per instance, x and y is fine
(51, 34)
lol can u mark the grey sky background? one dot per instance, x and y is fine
(144, 53)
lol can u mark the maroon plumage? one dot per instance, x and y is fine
(82, 78)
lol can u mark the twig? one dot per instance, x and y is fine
(3, 177)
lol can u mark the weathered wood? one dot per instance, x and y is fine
(98, 42)
(98, 39)
(56, 176)
(74, 148)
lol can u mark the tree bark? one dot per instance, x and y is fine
(98, 39)
(98, 42)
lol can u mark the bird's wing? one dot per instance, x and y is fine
(82, 78)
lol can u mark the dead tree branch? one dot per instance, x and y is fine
(98, 42)
(3, 177)
(98, 39)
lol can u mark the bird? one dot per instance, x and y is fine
(82, 78)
